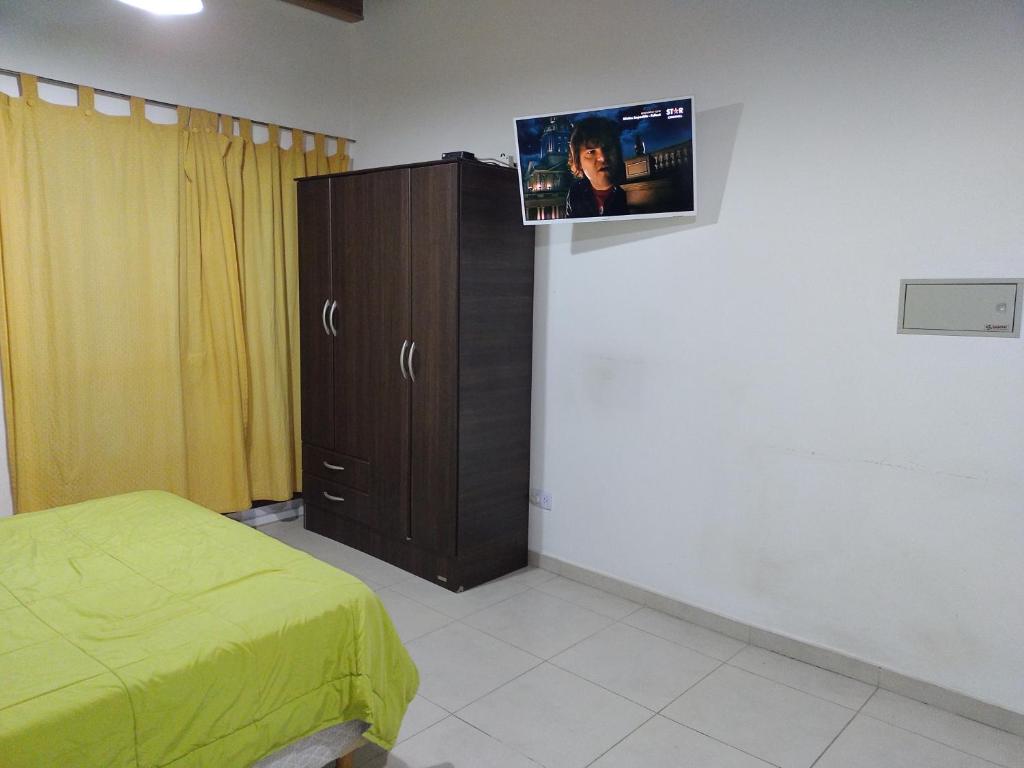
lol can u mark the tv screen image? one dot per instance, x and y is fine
(628, 161)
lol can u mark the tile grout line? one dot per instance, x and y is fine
(508, 642)
(613, 746)
(643, 603)
(621, 695)
(936, 741)
(478, 729)
(639, 606)
(525, 589)
(661, 713)
(587, 680)
(717, 740)
(801, 690)
(843, 729)
(569, 602)
(492, 690)
(595, 589)
(431, 632)
(499, 602)
(455, 714)
(603, 688)
(429, 701)
(419, 605)
(688, 689)
(744, 669)
(457, 618)
(651, 712)
(496, 688)
(684, 645)
(689, 728)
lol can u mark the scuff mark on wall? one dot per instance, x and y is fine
(903, 466)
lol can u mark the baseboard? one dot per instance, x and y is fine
(269, 513)
(826, 658)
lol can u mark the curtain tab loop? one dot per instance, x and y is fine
(29, 88)
(275, 135)
(137, 107)
(227, 125)
(183, 117)
(298, 140)
(245, 128)
(86, 99)
(320, 144)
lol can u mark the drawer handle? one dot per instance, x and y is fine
(335, 467)
(332, 498)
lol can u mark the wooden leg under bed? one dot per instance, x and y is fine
(344, 762)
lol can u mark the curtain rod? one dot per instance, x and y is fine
(105, 92)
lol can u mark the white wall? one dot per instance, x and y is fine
(722, 408)
(261, 59)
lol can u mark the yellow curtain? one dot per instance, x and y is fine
(262, 194)
(148, 318)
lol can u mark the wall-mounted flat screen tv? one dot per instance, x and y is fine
(630, 161)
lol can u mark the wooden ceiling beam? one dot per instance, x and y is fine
(346, 10)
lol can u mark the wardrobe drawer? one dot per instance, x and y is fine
(336, 467)
(337, 499)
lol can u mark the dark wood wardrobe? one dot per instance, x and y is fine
(416, 296)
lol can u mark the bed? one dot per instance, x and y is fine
(143, 630)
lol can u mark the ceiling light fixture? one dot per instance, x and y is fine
(167, 7)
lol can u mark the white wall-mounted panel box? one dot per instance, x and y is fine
(961, 307)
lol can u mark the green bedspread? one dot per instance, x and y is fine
(143, 630)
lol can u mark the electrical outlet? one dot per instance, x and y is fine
(540, 498)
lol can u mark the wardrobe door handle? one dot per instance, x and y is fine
(334, 307)
(335, 467)
(412, 373)
(401, 359)
(323, 316)
(332, 498)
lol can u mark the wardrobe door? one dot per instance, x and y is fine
(371, 281)
(435, 291)
(315, 297)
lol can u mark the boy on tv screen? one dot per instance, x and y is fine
(634, 160)
(595, 159)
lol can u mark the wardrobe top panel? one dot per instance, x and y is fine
(405, 165)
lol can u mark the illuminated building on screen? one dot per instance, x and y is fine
(547, 180)
(660, 180)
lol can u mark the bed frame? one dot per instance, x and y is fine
(337, 743)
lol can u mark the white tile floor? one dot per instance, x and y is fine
(538, 670)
